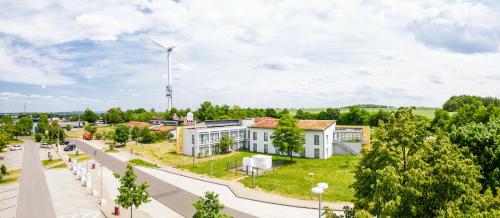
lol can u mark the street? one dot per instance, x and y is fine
(171, 196)
(34, 199)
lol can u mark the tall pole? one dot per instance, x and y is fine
(169, 80)
(319, 205)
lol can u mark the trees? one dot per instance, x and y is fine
(91, 128)
(55, 131)
(121, 134)
(410, 173)
(482, 143)
(209, 207)
(329, 114)
(24, 126)
(130, 193)
(4, 140)
(441, 120)
(43, 124)
(288, 137)
(355, 116)
(147, 136)
(68, 127)
(114, 115)
(89, 116)
(375, 118)
(225, 144)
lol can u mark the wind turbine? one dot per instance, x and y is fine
(169, 76)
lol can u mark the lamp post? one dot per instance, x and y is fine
(319, 189)
(100, 164)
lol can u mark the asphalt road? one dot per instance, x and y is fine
(169, 195)
(33, 198)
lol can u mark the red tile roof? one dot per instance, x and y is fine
(272, 123)
(163, 128)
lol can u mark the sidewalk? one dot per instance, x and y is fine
(110, 190)
(234, 194)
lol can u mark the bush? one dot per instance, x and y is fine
(3, 170)
(99, 135)
(38, 137)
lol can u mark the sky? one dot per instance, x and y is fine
(58, 55)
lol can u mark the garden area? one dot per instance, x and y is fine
(290, 179)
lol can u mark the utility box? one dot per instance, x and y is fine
(263, 162)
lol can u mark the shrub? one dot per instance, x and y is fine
(38, 137)
(99, 135)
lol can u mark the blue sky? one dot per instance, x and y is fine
(60, 55)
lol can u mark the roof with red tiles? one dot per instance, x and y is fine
(138, 124)
(271, 123)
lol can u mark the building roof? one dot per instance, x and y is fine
(163, 128)
(138, 124)
(271, 123)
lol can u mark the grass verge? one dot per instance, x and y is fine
(9, 180)
(139, 162)
(58, 166)
(47, 162)
(111, 150)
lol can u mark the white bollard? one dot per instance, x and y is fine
(94, 192)
(88, 183)
(103, 201)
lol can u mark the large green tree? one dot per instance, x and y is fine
(89, 116)
(481, 142)
(209, 207)
(4, 140)
(43, 124)
(24, 126)
(288, 137)
(114, 115)
(130, 193)
(410, 173)
(121, 134)
(355, 116)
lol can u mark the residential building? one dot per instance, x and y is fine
(318, 137)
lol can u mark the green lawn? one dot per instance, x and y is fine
(143, 163)
(293, 179)
(9, 180)
(219, 165)
(79, 157)
(58, 166)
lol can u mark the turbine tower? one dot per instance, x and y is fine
(168, 87)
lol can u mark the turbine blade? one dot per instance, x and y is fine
(158, 44)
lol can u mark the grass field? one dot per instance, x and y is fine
(79, 157)
(293, 180)
(426, 112)
(47, 162)
(78, 133)
(161, 152)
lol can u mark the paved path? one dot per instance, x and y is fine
(171, 196)
(34, 198)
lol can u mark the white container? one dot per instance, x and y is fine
(88, 182)
(263, 162)
(248, 162)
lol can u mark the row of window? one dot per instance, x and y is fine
(266, 137)
(266, 150)
(216, 136)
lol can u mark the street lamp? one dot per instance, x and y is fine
(319, 189)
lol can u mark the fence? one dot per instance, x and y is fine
(236, 166)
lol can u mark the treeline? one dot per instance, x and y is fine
(457, 102)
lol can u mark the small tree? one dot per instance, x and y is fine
(130, 193)
(134, 134)
(209, 207)
(91, 128)
(89, 116)
(288, 137)
(225, 144)
(121, 134)
(68, 127)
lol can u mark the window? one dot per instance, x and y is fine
(254, 147)
(326, 139)
(265, 136)
(265, 148)
(316, 153)
(254, 135)
(192, 139)
(214, 137)
(276, 150)
(303, 153)
(242, 134)
(316, 139)
(234, 134)
(204, 138)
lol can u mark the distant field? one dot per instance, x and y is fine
(426, 112)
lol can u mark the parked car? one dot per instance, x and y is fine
(16, 148)
(87, 136)
(65, 142)
(70, 147)
(45, 145)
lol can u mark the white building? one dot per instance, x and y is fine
(202, 138)
(318, 137)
